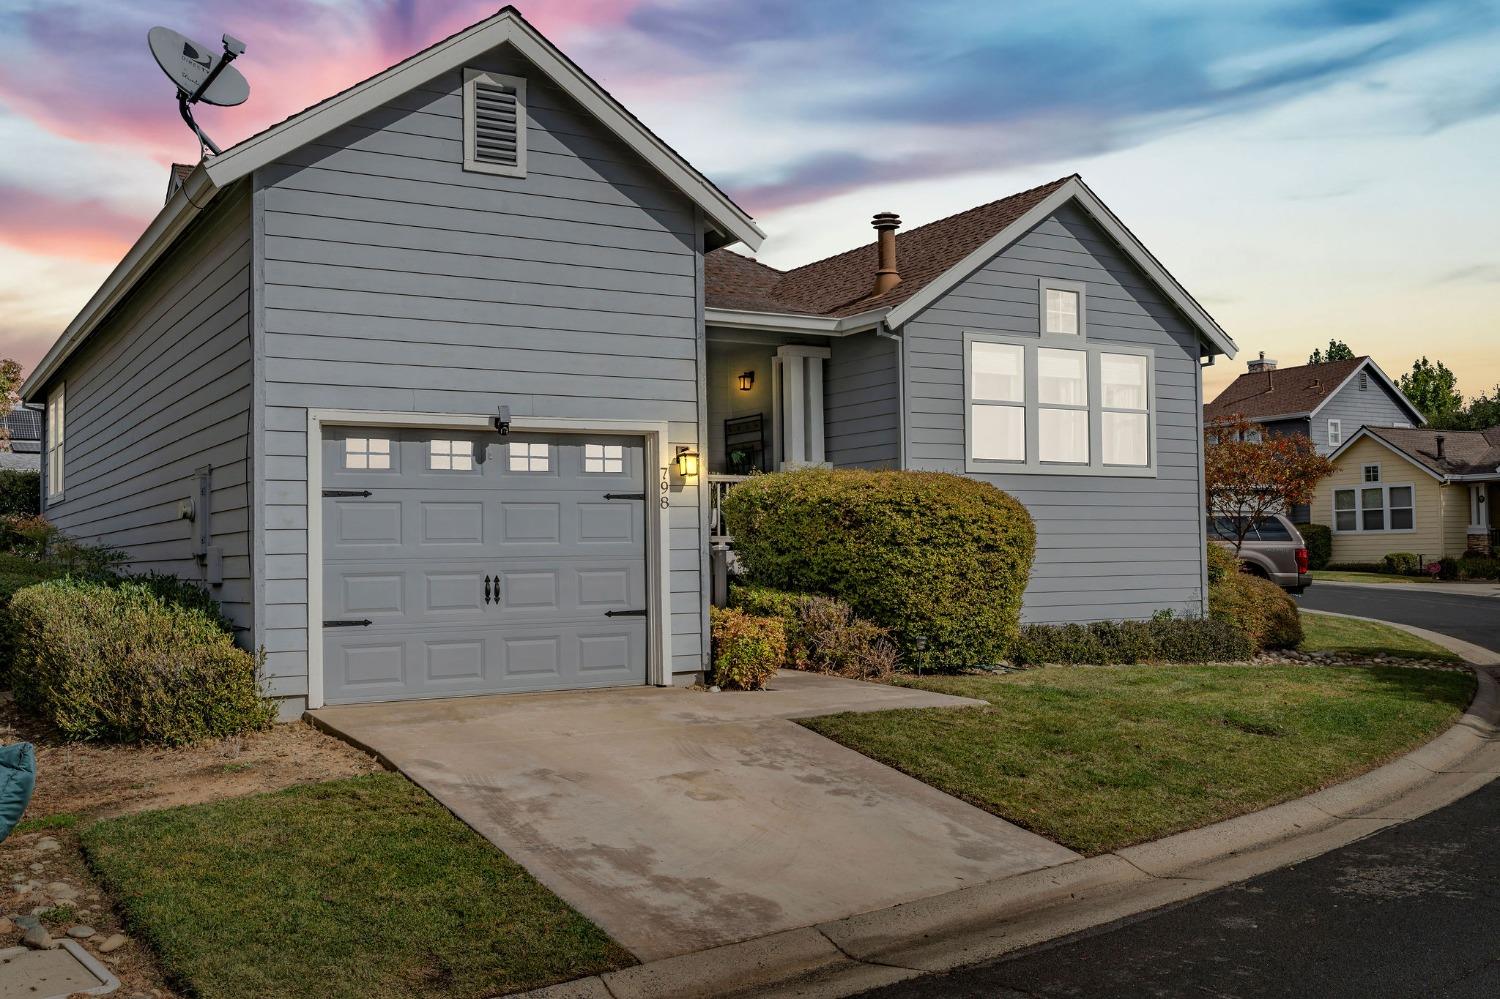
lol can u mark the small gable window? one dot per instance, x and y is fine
(1062, 308)
(494, 123)
(1372, 473)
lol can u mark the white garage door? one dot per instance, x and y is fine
(464, 563)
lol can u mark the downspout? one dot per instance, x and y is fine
(884, 332)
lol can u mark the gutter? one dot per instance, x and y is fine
(788, 322)
(191, 198)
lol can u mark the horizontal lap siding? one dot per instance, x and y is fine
(1107, 547)
(1376, 406)
(395, 280)
(1433, 516)
(862, 403)
(161, 390)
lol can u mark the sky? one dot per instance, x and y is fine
(1308, 169)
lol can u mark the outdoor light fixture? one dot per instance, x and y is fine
(747, 381)
(687, 462)
(502, 421)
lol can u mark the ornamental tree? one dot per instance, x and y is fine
(1249, 475)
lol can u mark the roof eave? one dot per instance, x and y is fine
(1366, 432)
(195, 194)
(792, 322)
(1411, 407)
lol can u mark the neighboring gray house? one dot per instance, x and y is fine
(436, 384)
(1327, 402)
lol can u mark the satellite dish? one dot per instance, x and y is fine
(199, 74)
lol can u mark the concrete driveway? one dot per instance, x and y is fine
(679, 820)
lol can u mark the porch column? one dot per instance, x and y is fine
(800, 407)
(1480, 520)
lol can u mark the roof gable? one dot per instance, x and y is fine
(1298, 391)
(1465, 452)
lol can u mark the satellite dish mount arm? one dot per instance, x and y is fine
(233, 48)
(204, 142)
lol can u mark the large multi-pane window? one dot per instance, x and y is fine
(1374, 508)
(1035, 407)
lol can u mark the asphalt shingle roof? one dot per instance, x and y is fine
(1282, 391)
(1465, 452)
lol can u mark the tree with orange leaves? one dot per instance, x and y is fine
(1249, 474)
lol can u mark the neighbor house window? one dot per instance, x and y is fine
(450, 456)
(367, 452)
(55, 420)
(604, 458)
(1036, 408)
(1062, 304)
(1335, 433)
(494, 123)
(1374, 508)
(1372, 473)
(528, 456)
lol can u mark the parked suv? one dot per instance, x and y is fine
(1273, 549)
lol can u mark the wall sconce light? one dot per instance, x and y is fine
(747, 381)
(686, 462)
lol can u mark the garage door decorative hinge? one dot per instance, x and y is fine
(629, 613)
(639, 496)
(346, 492)
(347, 624)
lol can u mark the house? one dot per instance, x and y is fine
(24, 450)
(1327, 402)
(1405, 489)
(431, 383)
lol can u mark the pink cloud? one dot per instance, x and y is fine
(78, 228)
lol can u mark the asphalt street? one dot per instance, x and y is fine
(1411, 911)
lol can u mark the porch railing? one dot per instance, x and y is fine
(718, 485)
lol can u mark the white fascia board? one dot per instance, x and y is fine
(1073, 189)
(1364, 432)
(197, 190)
(785, 322)
(505, 27)
(1396, 389)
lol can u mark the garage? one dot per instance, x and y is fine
(459, 562)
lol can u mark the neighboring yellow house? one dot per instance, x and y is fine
(1405, 489)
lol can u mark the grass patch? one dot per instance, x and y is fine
(350, 888)
(1340, 576)
(62, 820)
(1100, 757)
(1327, 633)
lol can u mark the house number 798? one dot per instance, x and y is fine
(666, 488)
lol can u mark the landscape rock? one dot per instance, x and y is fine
(38, 868)
(37, 938)
(27, 922)
(81, 932)
(62, 891)
(47, 845)
(6, 926)
(113, 943)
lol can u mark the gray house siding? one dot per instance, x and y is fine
(161, 390)
(1376, 406)
(395, 280)
(862, 402)
(1107, 546)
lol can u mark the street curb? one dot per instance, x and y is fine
(850, 955)
(1455, 589)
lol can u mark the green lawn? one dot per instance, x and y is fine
(1099, 757)
(1327, 633)
(351, 888)
(1338, 576)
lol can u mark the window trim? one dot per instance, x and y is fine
(1359, 489)
(1045, 285)
(1335, 428)
(471, 76)
(57, 441)
(1031, 464)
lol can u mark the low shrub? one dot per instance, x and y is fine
(747, 650)
(1476, 565)
(829, 638)
(1162, 640)
(764, 601)
(1319, 541)
(1221, 562)
(20, 491)
(33, 536)
(1401, 564)
(1355, 567)
(941, 560)
(1259, 608)
(185, 594)
(114, 662)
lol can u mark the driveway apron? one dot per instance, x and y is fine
(679, 819)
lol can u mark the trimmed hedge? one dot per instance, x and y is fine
(1259, 608)
(20, 491)
(747, 650)
(1169, 640)
(941, 560)
(1402, 564)
(1473, 565)
(1319, 541)
(17, 573)
(823, 635)
(113, 661)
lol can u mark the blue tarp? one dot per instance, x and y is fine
(17, 781)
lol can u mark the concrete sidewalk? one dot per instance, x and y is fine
(1475, 589)
(680, 820)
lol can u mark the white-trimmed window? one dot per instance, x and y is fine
(55, 437)
(1374, 508)
(1371, 473)
(367, 452)
(1062, 308)
(528, 456)
(606, 459)
(1335, 433)
(1035, 407)
(494, 123)
(450, 456)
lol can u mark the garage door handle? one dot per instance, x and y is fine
(346, 492)
(639, 496)
(486, 589)
(347, 624)
(629, 613)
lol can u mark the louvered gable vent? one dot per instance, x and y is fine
(494, 123)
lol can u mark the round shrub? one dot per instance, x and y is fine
(1222, 562)
(747, 650)
(114, 662)
(1401, 564)
(1258, 607)
(1319, 541)
(941, 560)
(829, 638)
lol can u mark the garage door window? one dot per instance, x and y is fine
(528, 457)
(605, 459)
(367, 452)
(451, 456)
